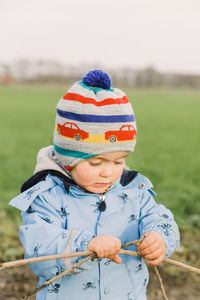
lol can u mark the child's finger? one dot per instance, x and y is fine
(156, 261)
(153, 247)
(105, 246)
(147, 242)
(116, 259)
(98, 250)
(153, 255)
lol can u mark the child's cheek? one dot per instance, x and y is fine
(118, 172)
(88, 175)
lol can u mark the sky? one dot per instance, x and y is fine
(112, 33)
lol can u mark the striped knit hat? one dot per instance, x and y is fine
(93, 119)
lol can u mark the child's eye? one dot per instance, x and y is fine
(119, 162)
(94, 163)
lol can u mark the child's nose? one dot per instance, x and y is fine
(106, 171)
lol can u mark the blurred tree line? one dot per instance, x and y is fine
(41, 71)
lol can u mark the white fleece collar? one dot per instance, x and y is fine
(46, 160)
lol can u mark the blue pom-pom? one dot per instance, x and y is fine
(97, 78)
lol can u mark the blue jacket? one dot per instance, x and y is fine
(60, 217)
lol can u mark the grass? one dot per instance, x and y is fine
(167, 150)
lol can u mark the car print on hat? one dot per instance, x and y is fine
(126, 133)
(71, 130)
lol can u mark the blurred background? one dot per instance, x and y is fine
(151, 51)
(141, 43)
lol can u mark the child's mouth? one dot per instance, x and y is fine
(100, 184)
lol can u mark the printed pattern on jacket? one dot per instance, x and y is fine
(56, 221)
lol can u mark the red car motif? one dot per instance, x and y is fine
(126, 133)
(72, 130)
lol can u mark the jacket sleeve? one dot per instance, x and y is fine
(156, 217)
(44, 232)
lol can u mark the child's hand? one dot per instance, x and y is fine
(152, 248)
(106, 246)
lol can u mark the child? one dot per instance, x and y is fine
(81, 197)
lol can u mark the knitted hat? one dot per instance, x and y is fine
(93, 119)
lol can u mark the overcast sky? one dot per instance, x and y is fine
(114, 33)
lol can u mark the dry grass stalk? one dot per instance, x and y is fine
(182, 266)
(21, 262)
(161, 283)
(30, 293)
(89, 255)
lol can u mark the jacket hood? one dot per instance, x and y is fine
(47, 164)
(46, 160)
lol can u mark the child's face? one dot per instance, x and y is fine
(98, 173)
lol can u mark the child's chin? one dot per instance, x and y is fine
(97, 189)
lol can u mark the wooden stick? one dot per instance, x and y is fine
(59, 276)
(21, 262)
(131, 243)
(181, 265)
(89, 255)
(161, 283)
(30, 293)
(128, 252)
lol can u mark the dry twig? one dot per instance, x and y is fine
(58, 276)
(89, 255)
(182, 266)
(21, 262)
(161, 283)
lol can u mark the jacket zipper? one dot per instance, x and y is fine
(102, 208)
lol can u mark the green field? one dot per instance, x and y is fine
(167, 150)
